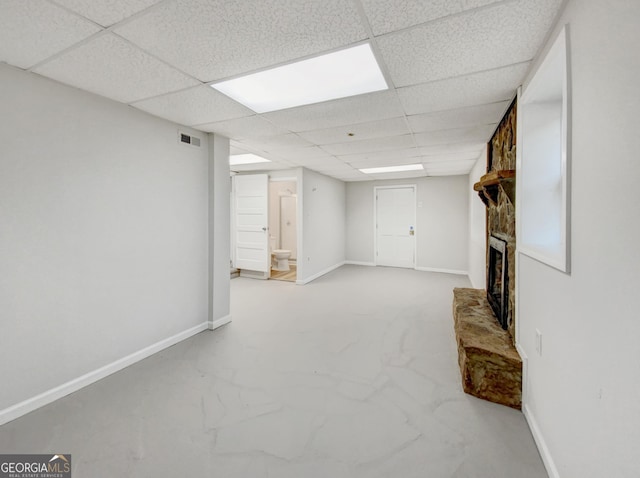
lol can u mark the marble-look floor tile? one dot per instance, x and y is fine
(352, 376)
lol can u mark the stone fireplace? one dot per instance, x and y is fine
(490, 366)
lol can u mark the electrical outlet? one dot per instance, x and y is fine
(539, 342)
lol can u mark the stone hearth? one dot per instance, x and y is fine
(490, 366)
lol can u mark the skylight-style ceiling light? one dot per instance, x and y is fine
(343, 73)
(236, 159)
(393, 169)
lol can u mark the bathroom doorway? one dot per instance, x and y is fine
(283, 228)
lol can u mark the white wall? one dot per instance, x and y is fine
(582, 393)
(321, 202)
(442, 226)
(219, 228)
(103, 233)
(477, 228)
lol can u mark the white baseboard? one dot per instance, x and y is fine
(33, 403)
(444, 271)
(213, 325)
(359, 263)
(541, 443)
(320, 274)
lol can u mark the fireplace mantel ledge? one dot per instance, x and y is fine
(489, 184)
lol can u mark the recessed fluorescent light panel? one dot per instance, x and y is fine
(393, 169)
(340, 74)
(237, 159)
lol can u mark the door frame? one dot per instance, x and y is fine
(415, 215)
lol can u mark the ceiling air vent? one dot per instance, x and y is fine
(184, 138)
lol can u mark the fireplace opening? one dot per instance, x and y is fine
(497, 280)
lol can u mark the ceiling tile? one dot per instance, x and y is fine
(474, 115)
(310, 152)
(346, 111)
(335, 169)
(198, 105)
(33, 30)
(368, 130)
(112, 67)
(399, 175)
(448, 165)
(352, 176)
(370, 145)
(444, 157)
(385, 16)
(217, 39)
(458, 135)
(244, 128)
(477, 89)
(397, 154)
(322, 162)
(386, 163)
(449, 168)
(462, 172)
(479, 40)
(277, 143)
(107, 12)
(453, 148)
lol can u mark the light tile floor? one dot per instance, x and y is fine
(353, 375)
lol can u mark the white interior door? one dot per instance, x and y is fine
(395, 226)
(251, 222)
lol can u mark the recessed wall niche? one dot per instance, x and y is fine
(543, 158)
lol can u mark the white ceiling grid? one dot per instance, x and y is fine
(453, 65)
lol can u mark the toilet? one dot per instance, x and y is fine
(280, 259)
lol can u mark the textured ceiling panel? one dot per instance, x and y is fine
(477, 148)
(331, 114)
(216, 39)
(314, 163)
(311, 152)
(198, 105)
(244, 128)
(352, 176)
(405, 174)
(449, 168)
(338, 167)
(462, 171)
(371, 145)
(369, 130)
(439, 157)
(112, 67)
(277, 143)
(458, 135)
(478, 40)
(106, 12)
(477, 89)
(397, 155)
(386, 16)
(474, 115)
(378, 163)
(32, 30)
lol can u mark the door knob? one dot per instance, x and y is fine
(264, 229)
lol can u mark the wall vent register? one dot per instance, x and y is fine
(184, 138)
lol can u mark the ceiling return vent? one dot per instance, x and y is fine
(185, 138)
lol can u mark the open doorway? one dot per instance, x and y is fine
(283, 228)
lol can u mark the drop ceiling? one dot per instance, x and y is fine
(453, 66)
